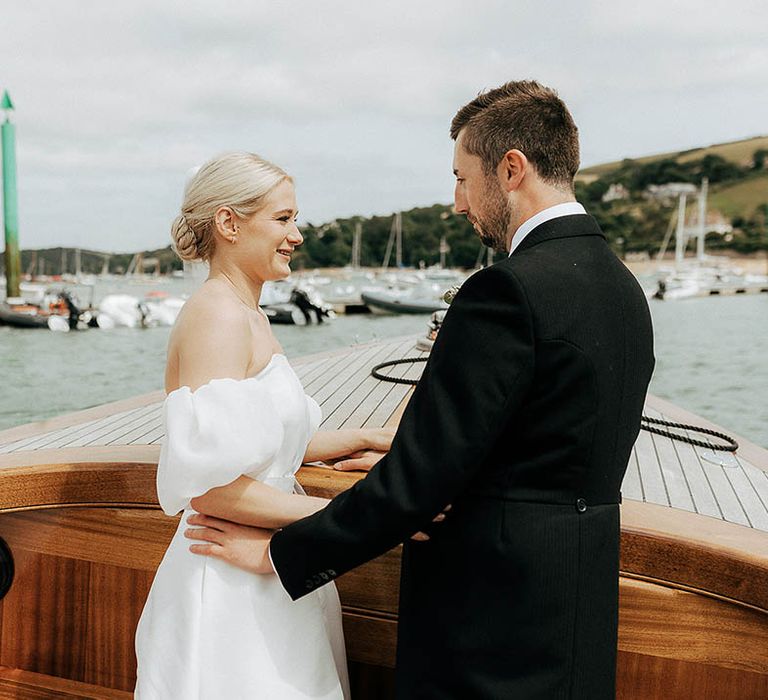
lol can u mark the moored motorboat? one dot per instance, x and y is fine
(303, 308)
(23, 316)
(79, 516)
(392, 302)
(285, 314)
(57, 310)
(127, 310)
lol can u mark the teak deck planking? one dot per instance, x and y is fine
(660, 471)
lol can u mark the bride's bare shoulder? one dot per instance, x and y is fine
(210, 339)
(211, 311)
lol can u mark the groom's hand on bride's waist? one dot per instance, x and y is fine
(240, 545)
(244, 546)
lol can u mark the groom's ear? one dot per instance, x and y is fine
(511, 169)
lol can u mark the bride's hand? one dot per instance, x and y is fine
(362, 461)
(378, 439)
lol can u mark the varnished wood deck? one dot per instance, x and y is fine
(661, 471)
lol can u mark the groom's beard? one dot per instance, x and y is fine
(494, 222)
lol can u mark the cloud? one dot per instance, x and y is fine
(117, 101)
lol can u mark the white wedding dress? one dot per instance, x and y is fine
(210, 631)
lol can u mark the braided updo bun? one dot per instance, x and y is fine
(185, 241)
(240, 181)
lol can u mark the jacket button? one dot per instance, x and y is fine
(581, 505)
(324, 576)
(308, 584)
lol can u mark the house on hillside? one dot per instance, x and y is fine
(669, 190)
(616, 191)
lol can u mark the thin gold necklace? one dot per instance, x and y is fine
(237, 294)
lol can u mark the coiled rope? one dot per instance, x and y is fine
(646, 422)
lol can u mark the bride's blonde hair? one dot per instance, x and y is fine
(240, 181)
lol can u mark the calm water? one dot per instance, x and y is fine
(711, 359)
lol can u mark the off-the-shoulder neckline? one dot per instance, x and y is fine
(258, 375)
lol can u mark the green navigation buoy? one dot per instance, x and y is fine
(10, 200)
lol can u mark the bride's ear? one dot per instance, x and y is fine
(225, 223)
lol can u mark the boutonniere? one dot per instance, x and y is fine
(450, 295)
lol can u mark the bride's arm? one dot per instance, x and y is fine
(250, 502)
(331, 444)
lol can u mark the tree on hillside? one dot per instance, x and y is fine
(758, 158)
(751, 234)
(718, 169)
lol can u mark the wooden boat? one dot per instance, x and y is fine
(82, 528)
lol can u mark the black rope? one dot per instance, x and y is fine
(391, 363)
(730, 444)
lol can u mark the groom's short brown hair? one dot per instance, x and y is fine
(527, 116)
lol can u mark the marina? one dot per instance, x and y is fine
(703, 275)
(78, 512)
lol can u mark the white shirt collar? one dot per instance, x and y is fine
(565, 209)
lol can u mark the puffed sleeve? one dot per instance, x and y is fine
(315, 415)
(214, 434)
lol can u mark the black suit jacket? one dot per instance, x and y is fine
(524, 420)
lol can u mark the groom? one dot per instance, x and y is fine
(524, 420)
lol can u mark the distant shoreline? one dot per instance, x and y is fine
(756, 264)
(750, 264)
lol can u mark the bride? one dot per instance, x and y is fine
(237, 427)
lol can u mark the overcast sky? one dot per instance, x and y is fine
(117, 101)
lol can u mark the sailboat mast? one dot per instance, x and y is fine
(680, 232)
(390, 242)
(444, 248)
(356, 245)
(399, 241)
(702, 218)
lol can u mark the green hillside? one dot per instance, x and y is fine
(619, 194)
(741, 199)
(739, 152)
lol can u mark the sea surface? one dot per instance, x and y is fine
(711, 357)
